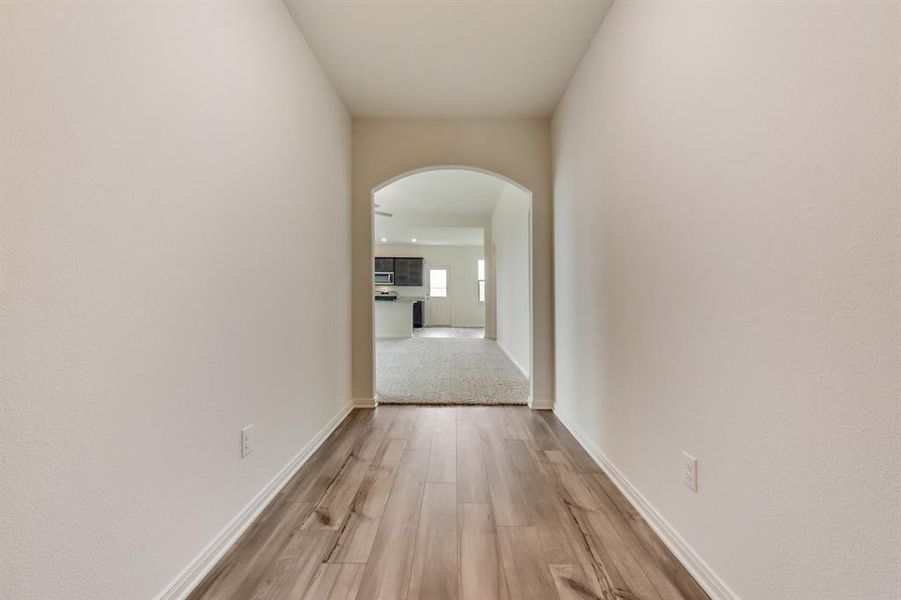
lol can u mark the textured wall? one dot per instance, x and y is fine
(728, 276)
(512, 255)
(171, 173)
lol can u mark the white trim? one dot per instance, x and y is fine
(366, 402)
(541, 404)
(194, 573)
(712, 583)
(513, 360)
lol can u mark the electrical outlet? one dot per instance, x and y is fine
(246, 441)
(690, 471)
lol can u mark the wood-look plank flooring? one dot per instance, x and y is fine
(447, 502)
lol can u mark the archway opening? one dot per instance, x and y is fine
(452, 288)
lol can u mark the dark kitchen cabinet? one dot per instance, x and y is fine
(407, 271)
(384, 265)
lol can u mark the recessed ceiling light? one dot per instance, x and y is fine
(413, 240)
(384, 239)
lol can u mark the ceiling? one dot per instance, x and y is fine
(444, 191)
(449, 58)
(395, 233)
(438, 207)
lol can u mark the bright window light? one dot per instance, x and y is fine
(438, 283)
(480, 271)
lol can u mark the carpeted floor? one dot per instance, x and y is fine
(433, 370)
(449, 332)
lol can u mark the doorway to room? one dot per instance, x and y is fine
(452, 289)
(437, 305)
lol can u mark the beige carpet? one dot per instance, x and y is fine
(431, 370)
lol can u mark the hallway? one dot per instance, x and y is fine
(449, 502)
(433, 298)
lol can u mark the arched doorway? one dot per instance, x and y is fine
(452, 258)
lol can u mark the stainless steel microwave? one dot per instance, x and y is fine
(384, 279)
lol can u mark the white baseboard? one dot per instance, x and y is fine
(206, 560)
(366, 402)
(712, 583)
(513, 360)
(541, 404)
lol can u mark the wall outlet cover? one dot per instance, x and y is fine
(246, 441)
(690, 471)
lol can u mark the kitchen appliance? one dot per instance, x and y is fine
(383, 278)
(417, 314)
(381, 296)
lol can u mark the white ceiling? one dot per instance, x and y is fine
(439, 207)
(444, 191)
(449, 58)
(395, 233)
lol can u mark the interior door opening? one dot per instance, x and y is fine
(436, 301)
(453, 323)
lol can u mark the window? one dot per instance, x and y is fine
(438, 283)
(481, 276)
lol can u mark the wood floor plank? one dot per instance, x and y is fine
(540, 436)
(402, 426)
(507, 500)
(612, 582)
(443, 457)
(383, 416)
(293, 570)
(376, 487)
(467, 412)
(647, 540)
(580, 459)
(491, 416)
(561, 539)
(511, 425)
(619, 525)
(316, 475)
(355, 540)
(390, 509)
(578, 582)
(611, 552)
(434, 572)
(420, 437)
(333, 509)
(472, 481)
(571, 485)
(359, 530)
(369, 443)
(528, 576)
(238, 573)
(335, 582)
(481, 571)
(387, 572)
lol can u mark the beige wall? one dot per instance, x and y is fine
(516, 149)
(172, 172)
(728, 275)
(511, 249)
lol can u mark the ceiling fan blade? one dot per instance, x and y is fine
(383, 213)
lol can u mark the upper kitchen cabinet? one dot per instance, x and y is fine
(384, 265)
(407, 271)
